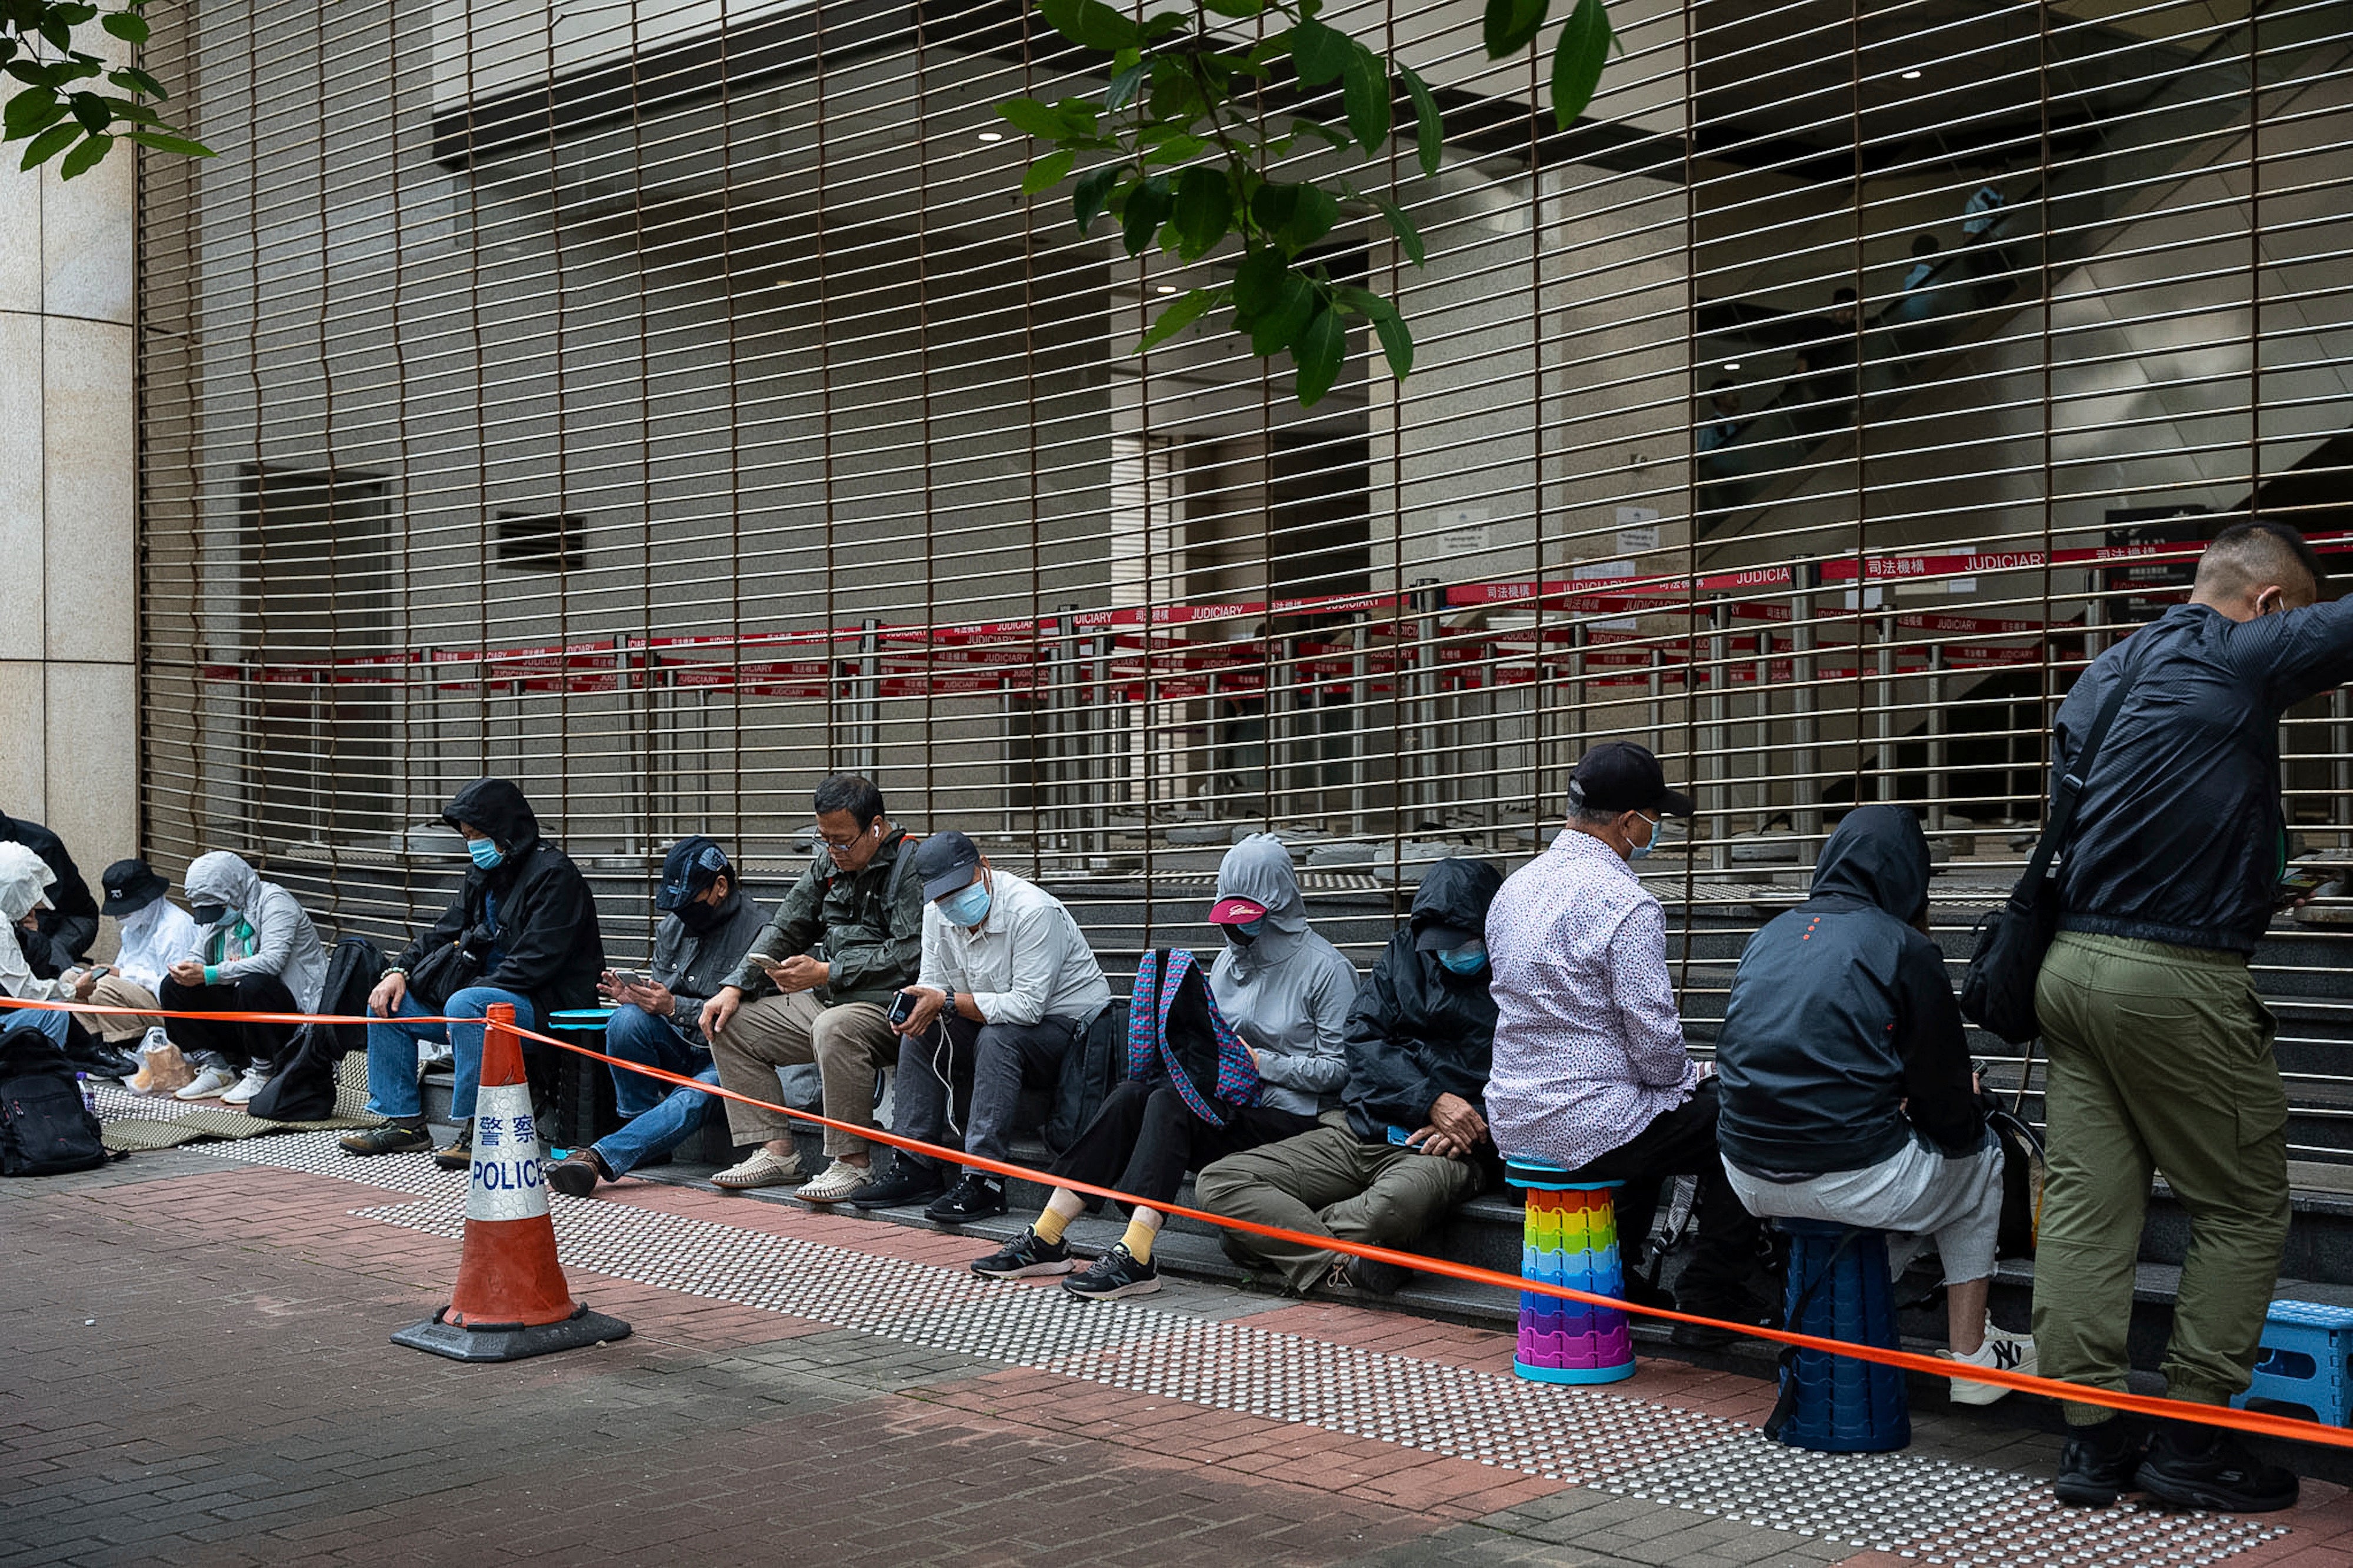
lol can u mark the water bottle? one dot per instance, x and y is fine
(89, 1094)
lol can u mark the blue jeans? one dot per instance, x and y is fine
(40, 1021)
(391, 1051)
(659, 1118)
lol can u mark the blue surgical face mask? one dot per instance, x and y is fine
(967, 908)
(1242, 933)
(1638, 850)
(484, 853)
(1467, 959)
(208, 914)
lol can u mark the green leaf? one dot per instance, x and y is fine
(1312, 217)
(1088, 24)
(1364, 302)
(1093, 190)
(73, 16)
(1205, 209)
(1366, 90)
(131, 79)
(85, 157)
(48, 144)
(56, 32)
(1272, 206)
(1321, 52)
(1031, 118)
(137, 113)
(1047, 172)
(1146, 210)
(1407, 234)
(1511, 25)
(1317, 127)
(36, 74)
(1428, 128)
(31, 110)
(1078, 118)
(92, 111)
(1180, 316)
(1277, 328)
(1259, 283)
(130, 28)
(164, 142)
(1122, 90)
(1322, 347)
(1177, 147)
(1396, 342)
(1239, 10)
(1578, 60)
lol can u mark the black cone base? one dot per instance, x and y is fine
(511, 1342)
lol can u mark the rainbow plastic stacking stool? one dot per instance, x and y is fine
(1839, 1289)
(1571, 1239)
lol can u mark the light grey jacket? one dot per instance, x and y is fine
(285, 943)
(1289, 993)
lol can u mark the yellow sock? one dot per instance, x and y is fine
(1138, 1240)
(1050, 1225)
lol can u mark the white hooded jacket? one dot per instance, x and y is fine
(22, 876)
(154, 937)
(285, 943)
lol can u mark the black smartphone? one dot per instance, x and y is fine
(903, 1007)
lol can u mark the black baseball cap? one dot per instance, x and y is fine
(946, 862)
(130, 885)
(1618, 775)
(687, 871)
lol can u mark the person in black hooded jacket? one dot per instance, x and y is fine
(1412, 1140)
(1843, 1080)
(527, 920)
(68, 927)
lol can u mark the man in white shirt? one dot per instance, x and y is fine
(1590, 1073)
(1006, 985)
(155, 934)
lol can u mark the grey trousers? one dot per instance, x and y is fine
(999, 1060)
(1331, 1183)
(848, 1041)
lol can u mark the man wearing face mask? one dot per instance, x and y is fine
(1590, 1071)
(257, 951)
(2160, 1048)
(527, 923)
(815, 987)
(1008, 983)
(707, 926)
(1412, 1140)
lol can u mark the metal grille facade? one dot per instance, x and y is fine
(665, 402)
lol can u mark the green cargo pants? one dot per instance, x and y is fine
(2160, 1058)
(1329, 1181)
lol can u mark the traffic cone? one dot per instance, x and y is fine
(510, 1299)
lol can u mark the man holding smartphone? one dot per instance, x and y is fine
(1007, 983)
(814, 987)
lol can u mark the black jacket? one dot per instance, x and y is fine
(695, 964)
(1418, 1031)
(550, 950)
(2178, 836)
(73, 922)
(1840, 1012)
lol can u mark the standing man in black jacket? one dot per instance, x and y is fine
(526, 920)
(2160, 1049)
(1412, 1141)
(65, 929)
(707, 926)
(1844, 1091)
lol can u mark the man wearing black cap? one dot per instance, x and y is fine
(1590, 1073)
(1008, 983)
(154, 932)
(707, 926)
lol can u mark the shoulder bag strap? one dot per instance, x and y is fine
(2071, 783)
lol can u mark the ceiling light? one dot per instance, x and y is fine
(999, 135)
(1167, 289)
(1912, 76)
(1731, 364)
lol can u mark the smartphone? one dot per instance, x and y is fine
(623, 979)
(100, 970)
(903, 1007)
(2300, 883)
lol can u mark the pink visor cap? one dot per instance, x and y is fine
(1235, 911)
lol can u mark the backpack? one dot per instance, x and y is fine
(1090, 1069)
(1175, 1032)
(302, 1085)
(2022, 1167)
(45, 1128)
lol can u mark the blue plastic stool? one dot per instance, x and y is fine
(2307, 1362)
(1570, 1238)
(1839, 1289)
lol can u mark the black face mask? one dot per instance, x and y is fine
(1237, 937)
(207, 914)
(696, 916)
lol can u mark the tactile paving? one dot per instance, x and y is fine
(1935, 1510)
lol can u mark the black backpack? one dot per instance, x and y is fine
(45, 1129)
(302, 1085)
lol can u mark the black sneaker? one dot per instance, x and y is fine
(1741, 1309)
(975, 1197)
(391, 1138)
(458, 1155)
(2098, 1462)
(1027, 1257)
(909, 1182)
(2190, 1467)
(1369, 1275)
(1115, 1274)
(577, 1173)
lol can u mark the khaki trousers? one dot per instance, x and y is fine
(2160, 1059)
(1329, 1181)
(848, 1041)
(113, 991)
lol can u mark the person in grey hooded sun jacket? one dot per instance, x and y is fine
(257, 951)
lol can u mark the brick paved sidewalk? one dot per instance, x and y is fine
(200, 1374)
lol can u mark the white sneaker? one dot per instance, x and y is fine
(763, 1169)
(2002, 1349)
(255, 1080)
(209, 1082)
(837, 1182)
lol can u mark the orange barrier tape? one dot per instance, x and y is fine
(2260, 1423)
